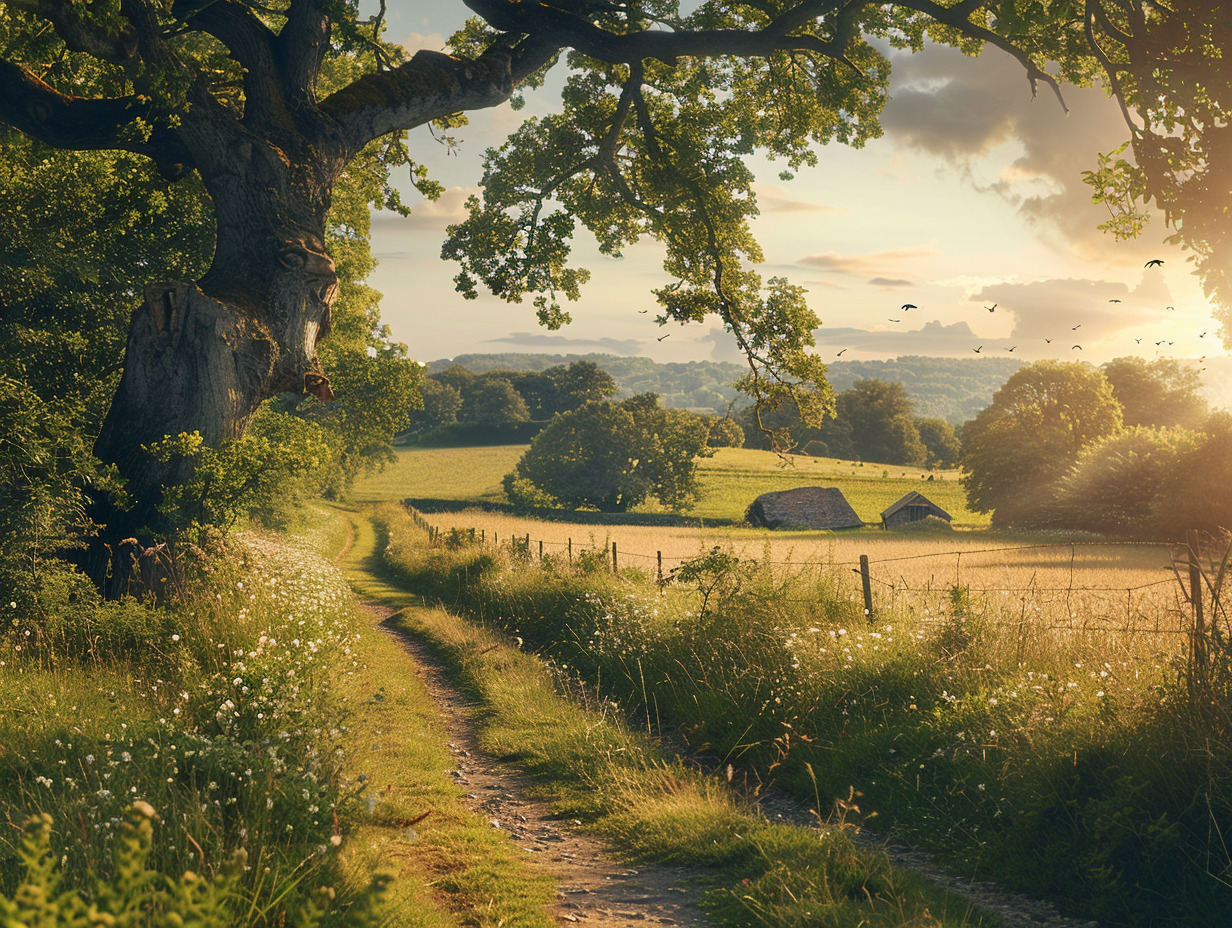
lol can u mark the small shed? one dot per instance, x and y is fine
(914, 507)
(803, 507)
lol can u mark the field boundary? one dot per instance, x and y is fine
(1129, 609)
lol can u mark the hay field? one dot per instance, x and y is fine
(1083, 587)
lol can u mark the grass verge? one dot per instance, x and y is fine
(590, 765)
(1067, 765)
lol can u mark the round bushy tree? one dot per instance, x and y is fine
(612, 456)
(1016, 450)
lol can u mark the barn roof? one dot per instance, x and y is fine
(804, 507)
(915, 499)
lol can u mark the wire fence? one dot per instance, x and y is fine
(1055, 586)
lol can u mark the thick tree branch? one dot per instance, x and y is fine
(81, 33)
(568, 30)
(954, 16)
(301, 48)
(430, 86)
(74, 123)
(251, 44)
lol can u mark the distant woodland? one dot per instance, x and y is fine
(953, 389)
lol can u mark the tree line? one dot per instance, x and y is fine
(873, 421)
(1131, 449)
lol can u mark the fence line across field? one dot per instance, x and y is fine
(620, 554)
(1186, 606)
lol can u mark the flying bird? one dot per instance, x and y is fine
(1011, 349)
(661, 337)
(978, 350)
(1048, 340)
(896, 320)
(1075, 328)
(1138, 340)
(1171, 308)
(1114, 301)
(1158, 343)
(909, 306)
(1203, 335)
(992, 307)
(840, 354)
(1154, 262)
(643, 311)
(1076, 348)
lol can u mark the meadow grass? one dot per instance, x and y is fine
(728, 482)
(217, 713)
(590, 764)
(1073, 761)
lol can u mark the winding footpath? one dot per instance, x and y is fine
(594, 887)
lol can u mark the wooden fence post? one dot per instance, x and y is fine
(1197, 644)
(866, 582)
(541, 549)
(614, 557)
(659, 557)
(570, 550)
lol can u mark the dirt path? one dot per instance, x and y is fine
(594, 887)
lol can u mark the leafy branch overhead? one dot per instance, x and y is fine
(661, 110)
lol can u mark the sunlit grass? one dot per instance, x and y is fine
(729, 481)
(1047, 747)
(589, 762)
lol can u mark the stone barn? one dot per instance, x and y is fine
(803, 507)
(914, 507)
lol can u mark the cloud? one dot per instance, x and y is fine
(1051, 308)
(864, 265)
(891, 283)
(415, 41)
(934, 338)
(771, 198)
(429, 214)
(960, 109)
(621, 346)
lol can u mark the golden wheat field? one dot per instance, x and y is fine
(1058, 586)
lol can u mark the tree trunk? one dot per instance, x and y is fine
(197, 363)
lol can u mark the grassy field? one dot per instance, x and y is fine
(730, 481)
(1117, 590)
(1039, 743)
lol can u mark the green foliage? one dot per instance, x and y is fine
(263, 473)
(131, 896)
(1016, 450)
(725, 432)
(612, 456)
(882, 423)
(1162, 393)
(45, 467)
(940, 442)
(73, 228)
(1126, 484)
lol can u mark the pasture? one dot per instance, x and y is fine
(729, 481)
(1122, 597)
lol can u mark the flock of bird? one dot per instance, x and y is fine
(1154, 262)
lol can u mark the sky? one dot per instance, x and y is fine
(972, 199)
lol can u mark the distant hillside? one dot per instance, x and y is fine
(702, 386)
(954, 389)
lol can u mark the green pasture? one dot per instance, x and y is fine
(730, 480)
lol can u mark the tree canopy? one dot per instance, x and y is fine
(1016, 450)
(268, 105)
(612, 457)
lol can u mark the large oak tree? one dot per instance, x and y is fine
(265, 104)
